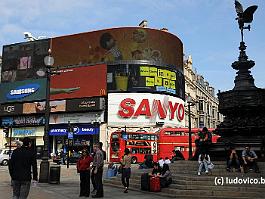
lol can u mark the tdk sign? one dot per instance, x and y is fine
(23, 91)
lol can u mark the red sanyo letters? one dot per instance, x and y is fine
(128, 109)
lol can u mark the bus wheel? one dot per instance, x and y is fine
(134, 160)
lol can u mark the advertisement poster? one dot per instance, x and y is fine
(90, 117)
(80, 82)
(11, 109)
(23, 91)
(146, 78)
(39, 107)
(23, 121)
(85, 104)
(127, 43)
(145, 109)
(24, 60)
(27, 132)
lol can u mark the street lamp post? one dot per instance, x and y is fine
(45, 166)
(190, 103)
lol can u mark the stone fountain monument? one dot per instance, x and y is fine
(244, 105)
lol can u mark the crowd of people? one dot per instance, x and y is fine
(23, 166)
(23, 170)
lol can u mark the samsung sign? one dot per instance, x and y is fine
(78, 130)
(22, 91)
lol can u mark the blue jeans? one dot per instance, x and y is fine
(203, 164)
(236, 164)
(21, 189)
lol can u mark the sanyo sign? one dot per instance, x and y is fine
(145, 109)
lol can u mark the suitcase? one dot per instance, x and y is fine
(155, 184)
(145, 182)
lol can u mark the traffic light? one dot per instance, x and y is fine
(6, 131)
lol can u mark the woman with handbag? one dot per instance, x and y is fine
(126, 169)
(83, 167)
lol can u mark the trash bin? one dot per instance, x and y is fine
(55, 174)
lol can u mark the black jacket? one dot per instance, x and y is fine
(20, 164)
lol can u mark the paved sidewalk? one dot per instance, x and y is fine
(68, 189)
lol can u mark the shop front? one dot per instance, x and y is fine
(83, 137)
(34, 133)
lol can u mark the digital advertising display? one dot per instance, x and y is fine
(39, 107)
(79, 82)
(24, 60)
(22, 91)
(145, 109)
(145, 78)
(127, 43)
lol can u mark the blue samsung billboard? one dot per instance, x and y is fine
(61, 130)
(21, 91)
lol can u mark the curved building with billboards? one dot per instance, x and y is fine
(110, 79)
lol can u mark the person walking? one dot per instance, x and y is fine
(97, 170)
(83, 167)
(126, 169)
(23, 159)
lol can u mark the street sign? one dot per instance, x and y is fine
(70, 135)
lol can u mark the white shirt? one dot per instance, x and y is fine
(161, 163)
(167, 161)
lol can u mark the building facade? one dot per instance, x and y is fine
(204, 112)
(120, 78)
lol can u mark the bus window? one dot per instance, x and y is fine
(179, 148)
(115, 137)
(175, 133)
(115, 146)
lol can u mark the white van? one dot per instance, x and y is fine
(4, 156)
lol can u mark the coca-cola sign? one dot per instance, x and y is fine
(145, 109)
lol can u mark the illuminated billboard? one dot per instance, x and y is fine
(145, 78)
(80, 82)
(145, 109)
(22, 91)
(128, 43)
(24, 60)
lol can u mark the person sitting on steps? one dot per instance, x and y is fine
(233, 160)
(204, 161)
(156, 170)
(250, 160)
(165, 177)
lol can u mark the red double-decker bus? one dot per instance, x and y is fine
(139, 143)
(178, 139)
(159, 144)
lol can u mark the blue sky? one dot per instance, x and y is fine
(207, 27)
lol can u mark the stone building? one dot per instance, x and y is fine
(205, 110)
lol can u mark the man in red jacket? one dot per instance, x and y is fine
(83, 167)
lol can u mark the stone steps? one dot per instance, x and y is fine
(186, 184)
(188, 194)
(183, 184)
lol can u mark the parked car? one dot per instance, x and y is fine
(4, 156)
